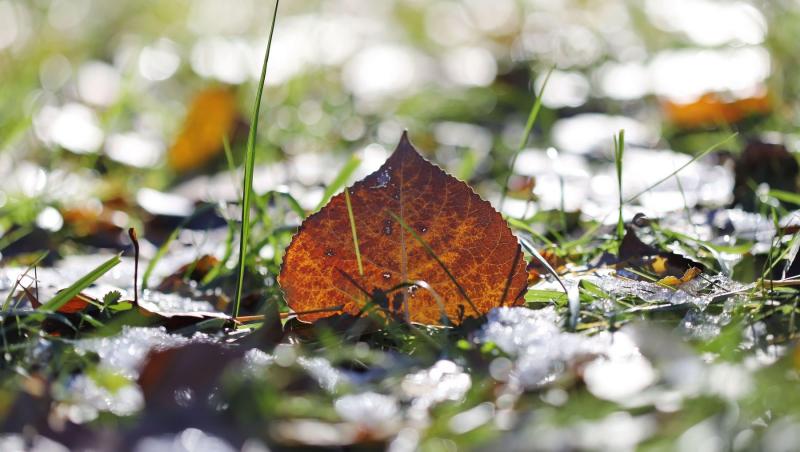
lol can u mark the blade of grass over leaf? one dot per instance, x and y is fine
(354, 232)
(694, 159)
(340, 180)
(250, 161)
(433, 255)
(67, 294)
(534, 113)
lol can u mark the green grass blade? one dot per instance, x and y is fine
(219, 266)
(226, 146)
(250, 162)
(353, 231)
(162, 250)
(694, 159)
(67, 294)
(521, 225)
(785, 196)
(534, 113)
(619, 151)
(340, 180)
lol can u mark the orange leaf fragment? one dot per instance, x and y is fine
(212, 116)
(713, 108)
(468, 237)
(688, 275)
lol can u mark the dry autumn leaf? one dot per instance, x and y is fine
(212, 116)
(461, 252)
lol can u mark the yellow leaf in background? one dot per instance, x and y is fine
(712, 109)
(212, 116)
(659, 265)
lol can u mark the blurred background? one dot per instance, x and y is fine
(134, 113)
(112, 111)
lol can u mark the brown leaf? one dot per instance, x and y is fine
(468, 237)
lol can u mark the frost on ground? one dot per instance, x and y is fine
(612, 366)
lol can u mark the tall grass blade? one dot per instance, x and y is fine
(250, 161)
(534, 113)
(694, 159)
(619, 151)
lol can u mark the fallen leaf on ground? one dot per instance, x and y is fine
(460, 247)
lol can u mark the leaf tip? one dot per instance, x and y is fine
(405, 145)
